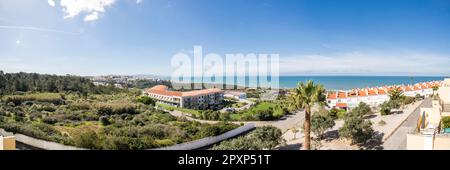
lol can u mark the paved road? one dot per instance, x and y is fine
(285, 123)
(398, 139)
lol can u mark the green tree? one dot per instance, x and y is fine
(396, 95)
(356, 128)
(385, 108)
(334, 113)
(362, 109)
(320, 123)
(305, 96)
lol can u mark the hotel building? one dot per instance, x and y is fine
(376, 95)
(196, 99)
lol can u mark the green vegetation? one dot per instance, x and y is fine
(382, 123)
(385, 109)
(408, 100)
(320, 123)
(341, 113)
(14, 83)
(445, 122)
(396, 100)
(254, 93)
(305, 96)
(261, 111)
(145, 100)
(355, 128)
(267, 137)
(362, 109)
(105, 118)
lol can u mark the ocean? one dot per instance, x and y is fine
(341, 82)
(352, 82)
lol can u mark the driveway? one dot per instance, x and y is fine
(397, 141)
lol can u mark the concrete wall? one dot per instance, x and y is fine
(7, 143)
(210, 140)
(415, 142)
(442, 142)
(38, 143)
(433, 115)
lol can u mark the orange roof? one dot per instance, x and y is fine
(381, 91)
(331, 95)
(423, 86)
(342, 95)
(416, 88)
(163, 90)
(201, 92)
(352, 94)
(372, 92)
(341, 105)
(408, 88)
(362, 93)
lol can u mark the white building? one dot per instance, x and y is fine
(376, 95)
(235, 94)
(196, 99)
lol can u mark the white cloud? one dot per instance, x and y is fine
(51, 3)
(91, 17)
(367, 63)
(138, 1)
(92, 9)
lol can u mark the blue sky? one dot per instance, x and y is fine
(313, 37)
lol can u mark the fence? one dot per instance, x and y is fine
(210, 140)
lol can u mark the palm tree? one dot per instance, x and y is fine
(305, 96)
(435, 88)
(396, 97)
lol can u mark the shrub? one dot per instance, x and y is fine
(50, 120)
(445, 122)
(381, 123)
(409, 100)
(87, 139)
(80, 106)
(267, 137)
(341, 114)
(320, 123)
(215, 129)
(145, 100)
(116, 108)
(264, 115)
(104, 120)
(385, 109)
(54, 98)
(46, 108)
